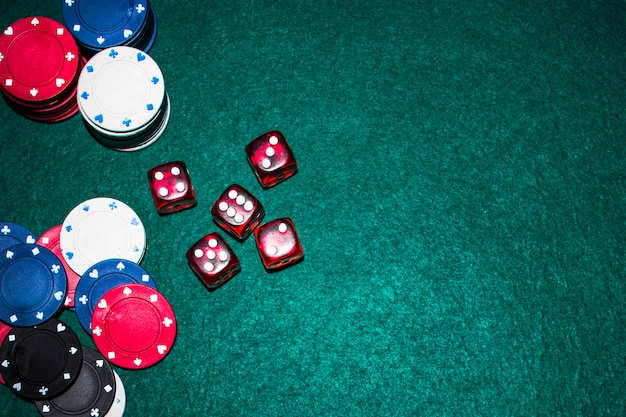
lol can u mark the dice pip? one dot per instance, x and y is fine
(238, 212)
(278, 244)
(171, 187)
(271, 159)
(213, 261)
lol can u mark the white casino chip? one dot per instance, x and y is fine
(101, 228)
(119, 403)
(157, 133)
(120, 89)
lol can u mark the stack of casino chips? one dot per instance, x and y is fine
(101, 24)
(39, 67)
(122, 98)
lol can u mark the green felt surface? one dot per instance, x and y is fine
(460, 200)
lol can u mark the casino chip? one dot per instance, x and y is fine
(4, 330)
(33, 285)
(12, 234)
(133, 326)
(102, 277)
(100, 24)
(122, 98)
(40, 362)
(101, 228)
(51, 239)
(92, 393)
(39, 67)
(119, 404)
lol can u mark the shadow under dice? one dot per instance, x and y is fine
(213, 261)
(171, 187)
(278, 244)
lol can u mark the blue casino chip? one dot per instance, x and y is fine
(12, 234)
(100, 24)
(102, 277)
(33, 285)
(146, 40)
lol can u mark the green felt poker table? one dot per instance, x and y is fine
(460, 199)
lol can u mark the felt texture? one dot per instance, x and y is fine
(460, 200)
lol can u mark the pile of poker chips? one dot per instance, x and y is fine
(101, 24)
(133, 326)
(122, 98)
(96, 65)
(39, 67)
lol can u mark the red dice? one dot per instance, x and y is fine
(271, 159)
(278, 244)
(238, 212)
(171, 187)
(213, 261)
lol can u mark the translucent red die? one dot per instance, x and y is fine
(238, 212)
(171, 187)
(213, 261)
(278, 244)
(271, 159)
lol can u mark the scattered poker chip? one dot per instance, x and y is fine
(4, 330)
(133, 326)
(101, 278)
(119, 403)
(100, 24)
(40, 362)
(92, 393)
(39, 66)
(101, 228)
(12, 234)
(51, 239)
(33, 285)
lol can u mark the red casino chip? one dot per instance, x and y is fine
(40, 59)
(4, 330)
(133, 326)
(39, 67)
(51, 239)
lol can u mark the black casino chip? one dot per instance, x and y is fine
(92, 394)
(40, 362)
